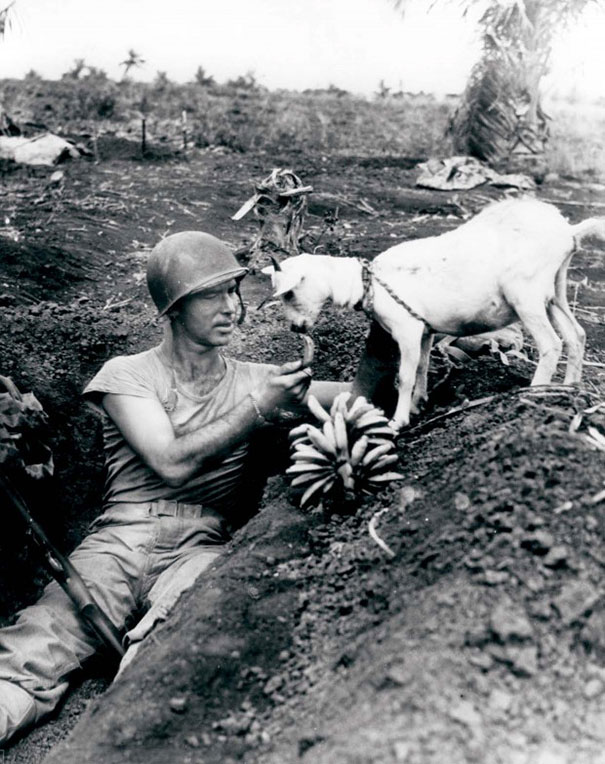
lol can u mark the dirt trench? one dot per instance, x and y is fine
(480, 639)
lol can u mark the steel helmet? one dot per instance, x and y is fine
(188, 262)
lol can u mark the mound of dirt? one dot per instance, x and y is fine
(308, 642)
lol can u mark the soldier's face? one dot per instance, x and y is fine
(208, 316)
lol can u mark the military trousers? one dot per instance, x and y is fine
(137, 559)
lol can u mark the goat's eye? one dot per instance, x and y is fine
(287, 296)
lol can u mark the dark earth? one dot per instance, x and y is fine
(479, 638)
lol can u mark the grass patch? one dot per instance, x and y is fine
(243, 116)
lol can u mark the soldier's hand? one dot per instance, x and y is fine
(288, 386)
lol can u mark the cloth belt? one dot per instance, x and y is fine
(179, 509)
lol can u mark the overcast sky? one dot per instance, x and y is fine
(353, 44)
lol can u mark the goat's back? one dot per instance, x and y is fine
(526, 232)
(465, 277)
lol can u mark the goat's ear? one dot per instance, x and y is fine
(285, 282)
(268, 271)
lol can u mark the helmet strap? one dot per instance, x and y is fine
(242, 305)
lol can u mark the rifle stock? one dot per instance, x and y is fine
(67, 576)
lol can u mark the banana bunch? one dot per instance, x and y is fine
(350, 450)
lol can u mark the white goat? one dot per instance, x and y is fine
(507, 264)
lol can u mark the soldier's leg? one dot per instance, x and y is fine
(170, 584)
(50, 640)
(377, 369)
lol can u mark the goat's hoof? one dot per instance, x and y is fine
(396, 427)
(417, 407)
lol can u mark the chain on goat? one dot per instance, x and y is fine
(367, 299)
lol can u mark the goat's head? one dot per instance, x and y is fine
(301, 284)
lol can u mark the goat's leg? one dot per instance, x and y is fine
(574, 339)
(534, 318)
(409, 339)
(420, 394)
(566, 324)
(375, 376)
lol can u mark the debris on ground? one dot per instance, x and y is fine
(461, 173)
(45, 149)
(279, 205)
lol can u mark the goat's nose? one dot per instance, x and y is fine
(302, 328)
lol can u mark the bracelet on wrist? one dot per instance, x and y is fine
(259, 414)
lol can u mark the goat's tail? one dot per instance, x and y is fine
(591, 227)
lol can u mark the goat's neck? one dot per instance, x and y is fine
(345, 282)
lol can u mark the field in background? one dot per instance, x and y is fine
(242, 116)
(577, 143)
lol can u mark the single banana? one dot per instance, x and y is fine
(303, 481)
(359, 407)
(317, 409)
(328, 431)
(306, 446)
(314, 489)
(310, 454)
(295, 469)
(346, 473)
(358, 451)
(385, 477)
(372, 418)
(375, 453)
(296, 432)
(303, 442)
(340, 435)
(340, 402)
(360, 400)
(319, 440)
(384, 461)
(382, 432)
(308, 351)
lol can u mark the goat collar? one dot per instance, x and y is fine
(367, 298)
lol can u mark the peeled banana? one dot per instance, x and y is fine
(308, 351)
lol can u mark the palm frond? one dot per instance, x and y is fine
(500, 111)
(5, 18)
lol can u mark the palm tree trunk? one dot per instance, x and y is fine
(500, 117)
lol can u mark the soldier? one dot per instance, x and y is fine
(177, 424)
